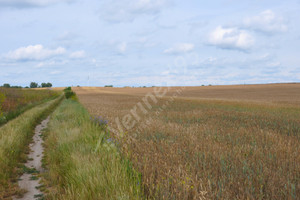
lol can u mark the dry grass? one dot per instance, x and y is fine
(192, 148)
(14, 101)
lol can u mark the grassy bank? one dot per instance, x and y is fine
(14, 139)
(82, 162)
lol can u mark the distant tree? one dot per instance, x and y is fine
(108, 86)
(46, 85)
(33, 85)
(6, 85)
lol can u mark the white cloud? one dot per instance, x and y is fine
(231, 38)
(267, 21)
(34, 52)
(29, 3)
(128, 10)
(180, 48)
(77, 54)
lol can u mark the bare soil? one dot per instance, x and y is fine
(30, 181)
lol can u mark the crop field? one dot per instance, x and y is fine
(212, 142)
(14, 101)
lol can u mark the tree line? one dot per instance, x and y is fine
(31, 85)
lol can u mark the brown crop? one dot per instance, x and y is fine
(218, 142)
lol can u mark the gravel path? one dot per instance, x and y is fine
(29, 181)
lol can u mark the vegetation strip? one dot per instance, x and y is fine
(82, 162)
(15, 101)
(14, 139)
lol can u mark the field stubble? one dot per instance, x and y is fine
(195, 148)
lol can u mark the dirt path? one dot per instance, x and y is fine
(30, 181)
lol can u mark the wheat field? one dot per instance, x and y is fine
(212, 142)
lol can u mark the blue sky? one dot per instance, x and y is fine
(149, 42)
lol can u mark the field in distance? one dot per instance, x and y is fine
(214, 142)
(288, 93)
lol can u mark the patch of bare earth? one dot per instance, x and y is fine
(30, 181)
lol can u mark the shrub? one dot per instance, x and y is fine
(67, 89)
(69, 94)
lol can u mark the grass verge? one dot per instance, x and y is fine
(82, 162)
(14, 139)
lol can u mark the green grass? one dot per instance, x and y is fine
(15, 137)
(82, 162)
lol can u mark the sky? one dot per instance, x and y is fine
(149, 42)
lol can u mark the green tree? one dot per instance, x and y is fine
(6, 85)
(33, 85)
(46, 85)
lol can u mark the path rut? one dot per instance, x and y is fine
(30, 182)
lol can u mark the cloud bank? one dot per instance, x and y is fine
(34, 52)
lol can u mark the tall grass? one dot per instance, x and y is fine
(209, 149)
(82, 161)
(15, 137)
(14, 101)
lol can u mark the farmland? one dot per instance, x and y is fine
(14, 101)
(217, 142)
